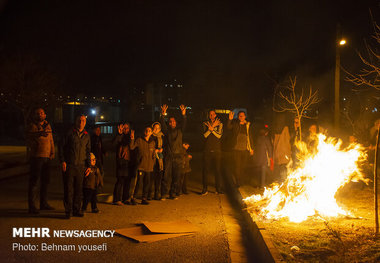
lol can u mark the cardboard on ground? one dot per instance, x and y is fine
(155, 231)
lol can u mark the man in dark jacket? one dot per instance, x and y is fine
(212, 132)
(97, 148)
(242, 142)
(173, 151)
(75, 160)
(124, 167)
(40, 141)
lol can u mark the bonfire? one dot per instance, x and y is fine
(310, 188)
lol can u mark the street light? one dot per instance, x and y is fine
(339, 44)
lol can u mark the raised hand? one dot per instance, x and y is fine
(209, 126)
(183, 109)
(132, 134)
(216, 122)
(120, 128)
(231, 115)
(164, 108)
(87, 172)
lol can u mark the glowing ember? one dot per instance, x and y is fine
(310, 189)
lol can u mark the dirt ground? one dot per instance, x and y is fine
(328, 239)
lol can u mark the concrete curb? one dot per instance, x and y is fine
(11, 172)
(258, 238)
(261, 235)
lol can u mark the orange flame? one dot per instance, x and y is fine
(310, 189)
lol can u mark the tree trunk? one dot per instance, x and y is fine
(375, 184)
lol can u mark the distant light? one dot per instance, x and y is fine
(266, 126)
(342, 42)
(344, 98)
(93, 111)
(102, 117)
(374, 110)
(118, 101)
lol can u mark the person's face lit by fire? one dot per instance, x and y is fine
(97, 131)
(148, 132)
(241, 117)
(80, 122)
(93, 161)
(172, 122)
(156, 128)
(313, 129)
(126, 128)
(212, 115)
(40, 115)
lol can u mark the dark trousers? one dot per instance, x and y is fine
(211, 163)
(182, 183)
(73, 187)
(240, 158)
(141, 178)
(173, 168)
(89, 195)
(39, 170)
(121, 189)
(155, 178)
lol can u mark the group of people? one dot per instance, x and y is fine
(157, 162)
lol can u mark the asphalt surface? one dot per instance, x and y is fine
(210, 244)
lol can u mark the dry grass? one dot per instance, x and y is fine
(333, 239)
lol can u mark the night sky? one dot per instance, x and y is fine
(224, 52)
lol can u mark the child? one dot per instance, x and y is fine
(186, 169)
(92, 180)
(146, 157)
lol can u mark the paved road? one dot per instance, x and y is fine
(211, 244)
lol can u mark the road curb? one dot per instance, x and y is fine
(14, 172)
(261, 235)
(261, 244)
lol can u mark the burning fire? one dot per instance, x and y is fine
(311, 187)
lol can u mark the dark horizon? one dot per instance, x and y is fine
(216, 49)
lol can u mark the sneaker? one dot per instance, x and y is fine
(96, 210)
(78, 214)
(33, 211)
(46, 207)
(162, 198)
(204, 192)
(144, 202)
(118, 203)
(133, 201)
(126, 202)
(173, 197)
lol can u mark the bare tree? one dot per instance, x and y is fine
(370, 77)
(26, 84)
(297, 102)
(370, 74)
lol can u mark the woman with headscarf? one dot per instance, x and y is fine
(158, 170)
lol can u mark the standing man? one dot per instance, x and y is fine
(212, 132)
(97, 148)
(173, 151)
(40, 141)
(242, 144)
(124, 174)
(76, 163)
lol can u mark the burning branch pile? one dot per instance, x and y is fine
(310, 189)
